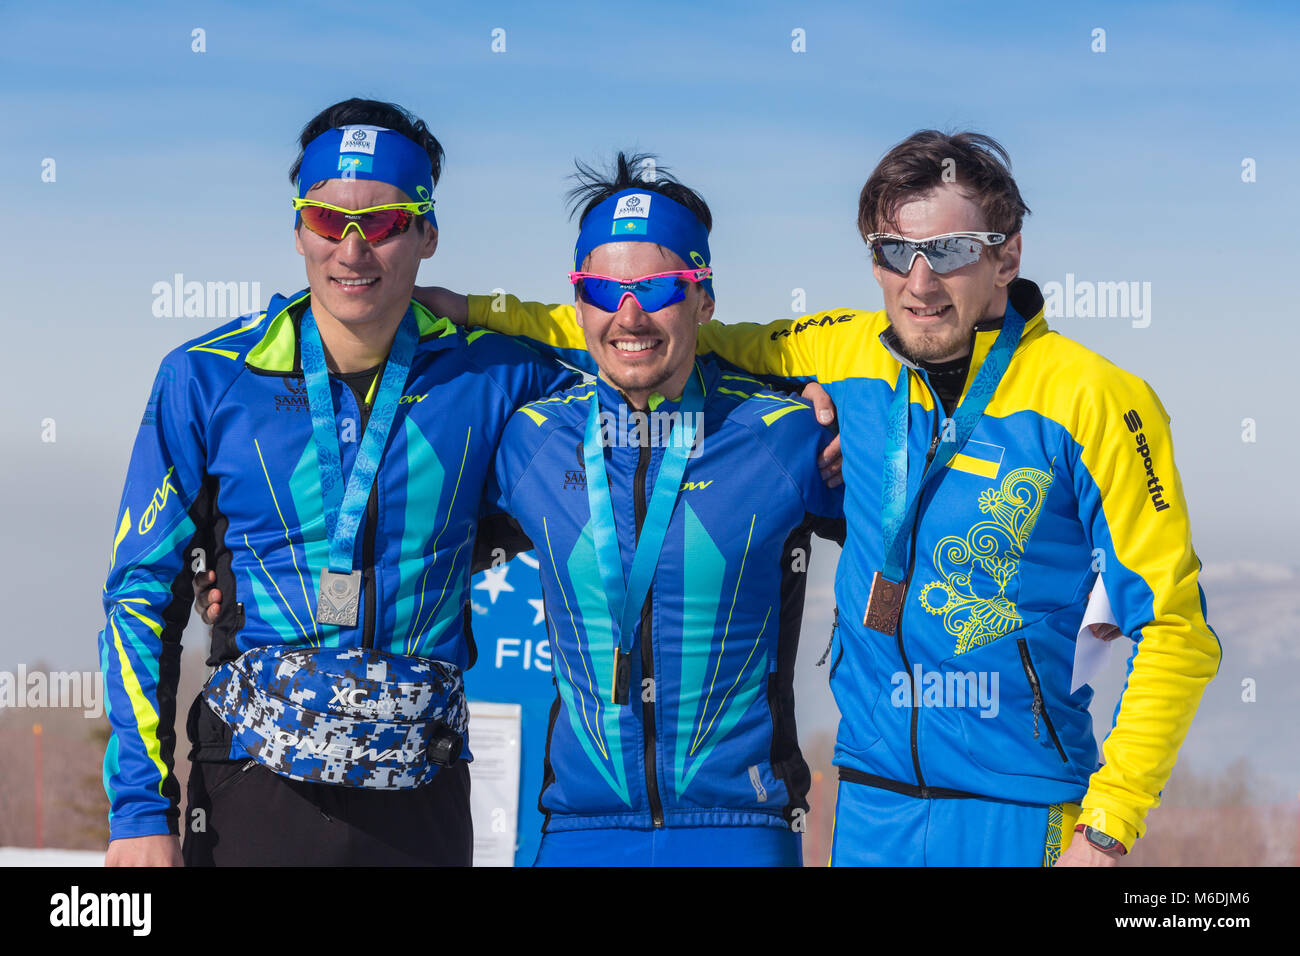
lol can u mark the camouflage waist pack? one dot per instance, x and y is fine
(356, 717)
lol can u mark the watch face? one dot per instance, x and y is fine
(1100, 840)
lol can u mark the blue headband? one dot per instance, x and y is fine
(635, 215)
(369, 152)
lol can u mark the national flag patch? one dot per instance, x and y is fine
(629, 227)
(357, 164)
(979, 458)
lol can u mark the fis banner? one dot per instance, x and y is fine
(514, 667)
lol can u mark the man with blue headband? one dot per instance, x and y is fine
(671, 503)
(323, 464)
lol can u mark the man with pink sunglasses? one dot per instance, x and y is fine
(671, 503)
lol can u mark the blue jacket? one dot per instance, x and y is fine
(708, 738)
(224, 471)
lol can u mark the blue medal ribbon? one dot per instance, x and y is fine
(627, 596)
(897, 521)
(343, 508)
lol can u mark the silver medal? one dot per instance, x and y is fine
(339, 596)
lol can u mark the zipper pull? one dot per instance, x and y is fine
(831, 643)
(1038, 709)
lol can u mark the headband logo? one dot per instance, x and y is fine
(636, 206)
(358, 139)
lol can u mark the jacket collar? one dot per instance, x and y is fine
(278, 352)
(1023, 297)
(611, 398)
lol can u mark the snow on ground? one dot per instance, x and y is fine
(30, 856)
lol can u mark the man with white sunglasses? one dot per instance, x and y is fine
(992, 469)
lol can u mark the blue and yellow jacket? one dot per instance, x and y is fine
(223, 476)
(1070, 472)
(708, 738)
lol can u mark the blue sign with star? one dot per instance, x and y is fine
(514, 667)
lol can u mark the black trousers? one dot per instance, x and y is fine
(241, 814)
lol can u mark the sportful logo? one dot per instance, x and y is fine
(1134, 422)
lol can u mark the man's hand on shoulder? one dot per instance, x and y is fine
(829, 462)
(443, 302)
(159, 850)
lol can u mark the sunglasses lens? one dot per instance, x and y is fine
(375, 226)
(942, 255)
(893, 254)
(651, 294)
(946, 255)
(324, 222)
(384, 223)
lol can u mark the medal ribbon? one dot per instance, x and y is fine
(897, 521)
(626, 597)
(343, 508)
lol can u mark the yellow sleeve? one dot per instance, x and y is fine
(824, 346)
(555, 326)
(1132, 500)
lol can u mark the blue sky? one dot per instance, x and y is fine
(171, 161)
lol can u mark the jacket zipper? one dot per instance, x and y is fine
(835, 626)
(647, 652)
(907, 582)
(1039, 707)
(939, 412)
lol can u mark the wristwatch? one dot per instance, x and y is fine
(1100, 841)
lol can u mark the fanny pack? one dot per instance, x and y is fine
(355, 717)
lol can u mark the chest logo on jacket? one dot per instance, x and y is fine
(297, 397)
(979, 566)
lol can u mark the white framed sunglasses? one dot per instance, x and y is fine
(943, 253)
